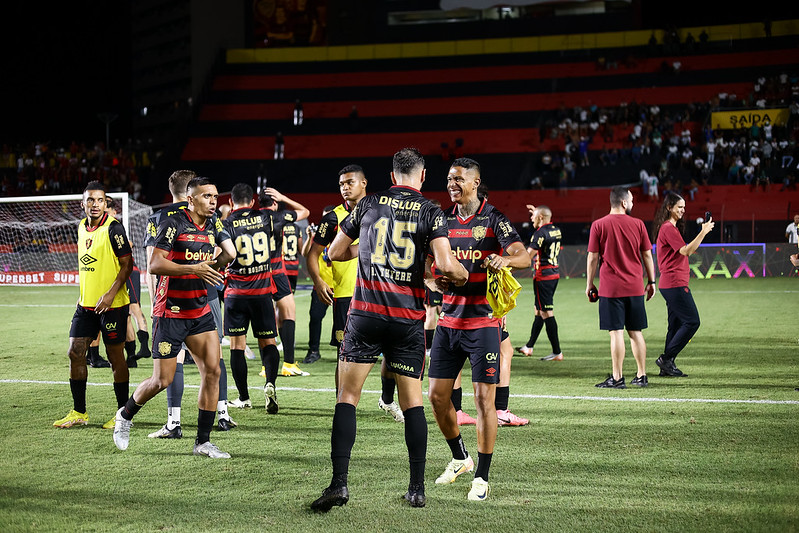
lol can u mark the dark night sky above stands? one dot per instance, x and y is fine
(65, 62)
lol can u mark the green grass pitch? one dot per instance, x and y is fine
(716, 451)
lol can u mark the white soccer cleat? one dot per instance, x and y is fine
(240, 404)
(248, 353)
(480, 490)
(553, 357)
(121, 431)
(455, 468)
(526, 351)
(393, 409)
(271, 398)
(210, 450)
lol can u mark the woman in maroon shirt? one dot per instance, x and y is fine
(672, 256)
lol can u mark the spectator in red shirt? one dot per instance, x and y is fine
(622, 243)
(672, 255)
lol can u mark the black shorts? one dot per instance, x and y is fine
(452, 347)
(241, 312)
(432, 298)
(134, 287)
(341, 306)
(544, 291)
(627, 312)
(401, 344)
(113, 323)
(282, 286)
(169, 333)
(292, 281)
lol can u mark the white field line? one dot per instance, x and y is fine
(528, 396)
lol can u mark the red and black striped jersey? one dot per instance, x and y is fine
(278, 219)
(394, 228)
(473, 239)
(250, 274)
(154, 221)
(291, 248)
(186, 244)
(546, 240)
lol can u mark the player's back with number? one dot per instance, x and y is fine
(250, 273)
(395, 228)
(546, 241)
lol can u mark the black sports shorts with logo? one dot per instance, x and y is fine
(170, 333)
(241, 312)
(113, 323)
(453, 347)
(401, 344)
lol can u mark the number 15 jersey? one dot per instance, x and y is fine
(395, 228)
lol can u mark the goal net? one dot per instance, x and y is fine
(39, 235)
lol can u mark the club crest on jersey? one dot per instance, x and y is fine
(164, 348)
(479, 233)
(88, 243)
(211, 240)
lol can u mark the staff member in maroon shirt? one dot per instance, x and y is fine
(672, 256)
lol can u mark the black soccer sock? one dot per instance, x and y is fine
(270, 359)
(388, 389)
(205, 421)
(121, 391)
(93, 354)
(552, 333)
(174, 392)
(222, 380)
(287, 338)
(130, 408)
(416, 441)
(501, 398)
(78, 389)
(130, 349)
(143, 336)
(342, 439)
(457, 398)
(458, 448)
(483, 465)
(538, 325)
(238, 367)
(428, 337)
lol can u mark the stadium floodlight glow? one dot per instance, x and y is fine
(39, 235)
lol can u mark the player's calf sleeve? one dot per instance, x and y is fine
(222, 380)
(457, 447)
(238, 368)
(174, 392)
(287, 338)
(270, 359)
(552, 333)
(78, 389)
(130, 349)
(205, 421)
(501, 398)
(416, 441)
(143, 336)
(457, 398)
(538, 325)
(342, 439)
(388, 385)
(121, 391)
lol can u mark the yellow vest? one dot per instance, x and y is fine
(98, 265)
(344, 272)
(325, 271)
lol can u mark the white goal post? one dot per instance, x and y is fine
(39, 235)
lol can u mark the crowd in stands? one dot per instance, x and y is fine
(677, 145)
(44, 168)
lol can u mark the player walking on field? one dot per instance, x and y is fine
(106, 262)
(184, 259)
(395, 228)
(483, 238)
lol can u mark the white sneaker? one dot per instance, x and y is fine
(271, 398)
(553, 357)
(240, 404)
(455, 468)
(280, 347)
(480, 490)
(210, 450)
(248, 353)
(121, 431)
(225, 341)
(393, 409)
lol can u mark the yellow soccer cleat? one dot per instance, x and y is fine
(110, 423)
(262, 373)
(74, 418)
(291, 369)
